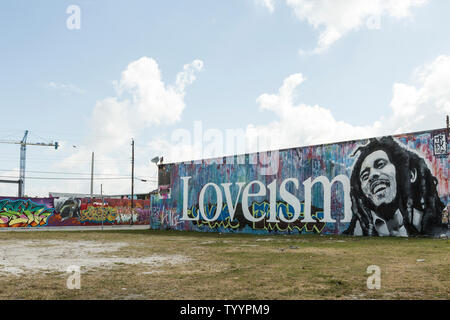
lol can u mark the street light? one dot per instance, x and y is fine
(155, 160)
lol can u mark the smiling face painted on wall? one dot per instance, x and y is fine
(378, 178)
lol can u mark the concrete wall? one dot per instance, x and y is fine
(394, 186)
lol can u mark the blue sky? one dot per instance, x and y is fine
(52, 78)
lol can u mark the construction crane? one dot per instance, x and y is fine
(23, 148)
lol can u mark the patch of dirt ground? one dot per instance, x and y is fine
(36, 256)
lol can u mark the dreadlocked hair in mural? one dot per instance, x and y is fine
(419, 193)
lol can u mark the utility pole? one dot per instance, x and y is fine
(132, 173)
(23, 150)
(92, 175)
(103, 204)
(132, 179)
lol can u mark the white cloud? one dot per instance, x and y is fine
(425, 104)
(65, 88)
(269, 4)
(300, 124)
(419, 105)
(174, 151)
(154, 102)
(142, 100)
(338, 17)
(415, 107)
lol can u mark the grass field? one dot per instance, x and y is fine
(186, 265)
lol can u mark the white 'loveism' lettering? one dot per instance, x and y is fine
(271, 190)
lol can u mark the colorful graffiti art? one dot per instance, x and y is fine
(70, 211)
(386, 186)
(257, 211)
(114, 211)
(98, 214)
(67, 207)
(25, 212)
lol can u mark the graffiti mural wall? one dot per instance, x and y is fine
(84, 212)
(55, 212)
(386, 186)
(22, 212)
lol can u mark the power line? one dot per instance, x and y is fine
(59, 178)
(64, 158)
(55, 133)
(75, 173)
